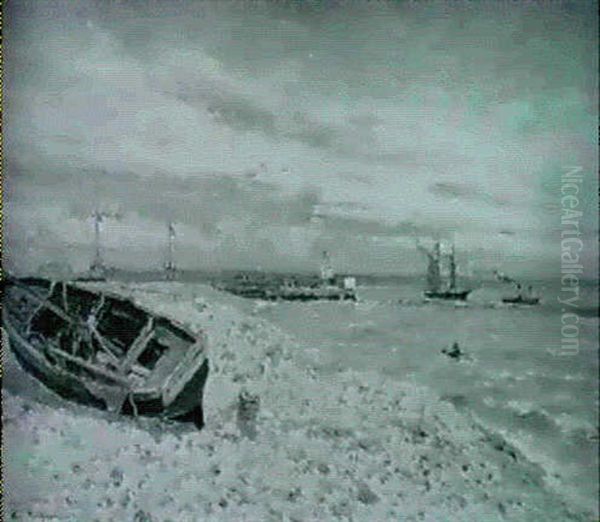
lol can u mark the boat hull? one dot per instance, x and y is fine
(521, 300)
(300, 294)
(186, 406)
(318, 297)
(448, 295)
(60, 382)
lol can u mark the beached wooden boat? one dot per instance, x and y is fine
(103, 350)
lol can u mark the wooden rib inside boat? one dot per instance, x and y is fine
(103, 350)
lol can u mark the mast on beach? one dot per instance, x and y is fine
(98, 267)
(170, 267)
(97, 263)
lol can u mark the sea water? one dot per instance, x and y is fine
(512, 377)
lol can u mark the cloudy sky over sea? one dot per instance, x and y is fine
(268, 131)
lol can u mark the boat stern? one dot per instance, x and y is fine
(182, 392)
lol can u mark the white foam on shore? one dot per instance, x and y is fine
(353, 446)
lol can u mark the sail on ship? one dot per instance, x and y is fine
(327, 273)
(437, 288)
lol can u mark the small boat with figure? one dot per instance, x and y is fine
(436, 287)
(101, 349)
(521, 299)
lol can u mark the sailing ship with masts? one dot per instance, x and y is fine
(437, 287)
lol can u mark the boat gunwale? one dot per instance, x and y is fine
(193, 352)
(113, 294)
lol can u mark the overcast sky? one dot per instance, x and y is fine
(268, 132)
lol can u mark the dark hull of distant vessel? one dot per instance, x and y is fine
(315, 296)
(296, 294)
(91, 279)
(131, 361)
(449, 295)
(97, 275)
(521, 300)
(249, 292)
(170, 273)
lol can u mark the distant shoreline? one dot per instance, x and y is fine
(202, 276)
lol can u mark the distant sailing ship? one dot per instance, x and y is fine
(436, 287)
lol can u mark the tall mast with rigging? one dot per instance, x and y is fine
(98, 267)
(433, 267)
(170, 267)
(452, 269)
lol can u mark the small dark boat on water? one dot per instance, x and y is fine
(454, 352)
(101, 349)
(520, 299)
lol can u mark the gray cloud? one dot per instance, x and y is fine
(245, 121)
(462, 191)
